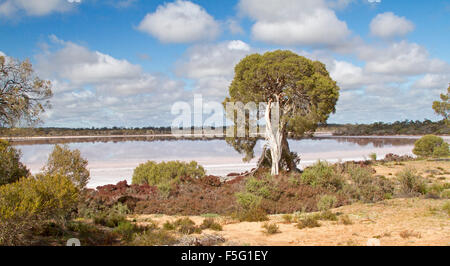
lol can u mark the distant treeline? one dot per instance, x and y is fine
(406, 127)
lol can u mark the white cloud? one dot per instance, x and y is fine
(294, 22)
(33, 7)
(212, 66)
(180, 22)
(388, 25)
(95, 89)
(433, 81)
(234, 27)
(401, 58)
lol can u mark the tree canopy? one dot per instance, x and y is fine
(300, 88)
(23, 96)
(442, 107)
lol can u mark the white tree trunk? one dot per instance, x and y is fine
(274, 135)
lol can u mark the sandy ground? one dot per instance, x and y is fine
(396, 222)
(424, 219)
(431, 170)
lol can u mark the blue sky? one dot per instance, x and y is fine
(126, 62)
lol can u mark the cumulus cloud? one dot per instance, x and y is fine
(180, 22)
(293, 22)
(211, 66)
(432, 81)
(35, 8)
(401, 58)
(95, 89)
(388, 25)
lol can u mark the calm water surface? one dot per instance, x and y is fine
(111, 162)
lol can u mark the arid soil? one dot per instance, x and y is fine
(395, 222)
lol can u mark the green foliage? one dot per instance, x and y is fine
(44, 196)
(288, 218)
(187, 226)
(68, 162)
(164, 174)
(308, 222)
(323, 175)
(373, 156)
(23, 96)
(326, 202)
(153, 237)
(250, 208)
(262, 187)
(411, 183)
(431, 145)
(366, 187)
(169, 226)
(29, 202)
(126, 230)
(271, 228)
(11, 169)
(210, 223)
(303, 89)
(442, 107)
(111, 217)
(446, 207)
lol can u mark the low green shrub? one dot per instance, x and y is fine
(446, 207)
(210, 223)
(30, 202)
(431, 145)
(110, 218)
(271, 228)
(411, 184)
(288, 218)
(249, 209)
(164, 174)
(154, 238)
(187, 226)
(365, 187)
(322, 174)
(127, 230)
(308, 222)
(169, 226)
(326, 202)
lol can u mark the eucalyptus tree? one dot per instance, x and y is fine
(298, 89)
(442, 107)
(23, 96)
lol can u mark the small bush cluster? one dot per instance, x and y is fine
(271, 228)
(111, 217)
(165, 174)
(326, 202)
(366, 187)
(431, 146)
(32, 201)
(210, 223)
(249, 209)
(308, 222)
(322, 174)
(411, 184)
(187, 226)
